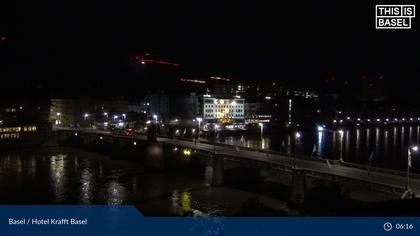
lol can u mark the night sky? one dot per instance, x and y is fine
(60, 44)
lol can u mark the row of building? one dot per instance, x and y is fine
(226, 107)
(229, 107)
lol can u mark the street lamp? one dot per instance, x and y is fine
(155, 117)
(199, 119)
(297, 137)
(341, 132)
(216, 129)
(262, 129)
(57, 119)
(415, 149)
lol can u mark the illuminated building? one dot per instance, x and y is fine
(257, 112)
(156, 103)
(23, 122)
(229, 112)
(85, 112)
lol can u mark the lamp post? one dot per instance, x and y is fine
(58, 120)
(155, 117)
(216, 128)
(297, 137)
(199, 119)
(341, 132)
(415, 149)
(262, 129)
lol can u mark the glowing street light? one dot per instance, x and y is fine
(409, 159)
(320, 128)
(262, 129)
(156, 120)
(341, 132)
(199, 119)
(298, 135)
(86, 115)
(57, 118)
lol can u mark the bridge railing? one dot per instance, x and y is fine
(291, 155)
(381, 170)
(311, 158)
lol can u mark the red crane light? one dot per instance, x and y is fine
(144, 60)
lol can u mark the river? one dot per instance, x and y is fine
(73, 176)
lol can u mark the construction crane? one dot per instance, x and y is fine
(145, 59)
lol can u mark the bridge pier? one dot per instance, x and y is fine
(214, 171)
(116, 143)
(298, 187)
(154, 157)
(88, 139)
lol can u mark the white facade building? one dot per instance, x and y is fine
(229, 112)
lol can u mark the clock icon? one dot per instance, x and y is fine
(387, 226)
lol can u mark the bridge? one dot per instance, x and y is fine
(300, 169)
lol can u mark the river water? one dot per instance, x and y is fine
(73, 176)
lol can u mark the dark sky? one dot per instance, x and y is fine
(59, 43)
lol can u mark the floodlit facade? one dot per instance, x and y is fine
(229, 112)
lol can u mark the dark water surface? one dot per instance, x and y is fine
(72, 176)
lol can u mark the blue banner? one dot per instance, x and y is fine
(127, 220)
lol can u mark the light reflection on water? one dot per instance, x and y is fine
(389, 144)
(72, 176)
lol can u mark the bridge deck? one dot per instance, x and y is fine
(394, 179)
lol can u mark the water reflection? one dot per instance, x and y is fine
(357, 147)
(57, 177)
(115, 193)
(62, 178)
(320, 143)
(72, 176)
(86, 185)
